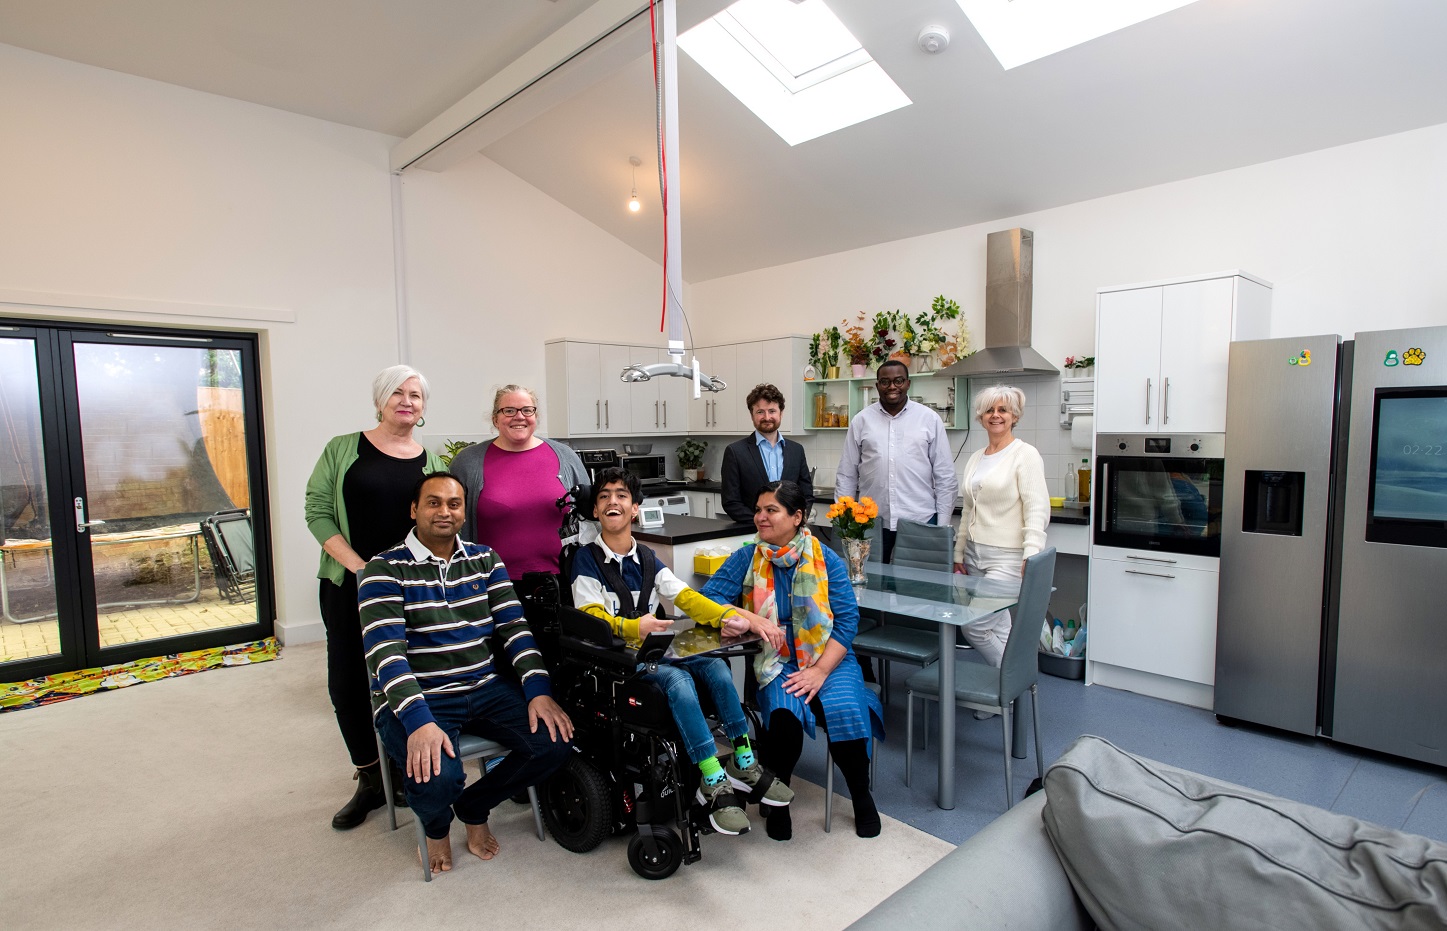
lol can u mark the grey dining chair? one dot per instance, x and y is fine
(917, 545)
(469, 747)
(982, 687)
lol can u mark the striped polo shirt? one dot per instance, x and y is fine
(426, 625)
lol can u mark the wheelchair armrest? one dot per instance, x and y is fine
(579, 625)
(615, 657)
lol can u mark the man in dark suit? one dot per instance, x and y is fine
(762, 457)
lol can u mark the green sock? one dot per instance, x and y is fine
(713, 773)
(743, 752)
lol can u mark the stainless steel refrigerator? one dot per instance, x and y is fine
(1334, 540)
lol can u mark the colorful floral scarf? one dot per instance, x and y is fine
(812, 619)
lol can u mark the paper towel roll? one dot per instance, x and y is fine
(1081, 431)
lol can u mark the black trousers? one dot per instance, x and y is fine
(347, 677)
(782, 743)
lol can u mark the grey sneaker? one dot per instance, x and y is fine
(724, 812)
(762, 787)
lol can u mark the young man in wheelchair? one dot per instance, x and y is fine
(621, 581)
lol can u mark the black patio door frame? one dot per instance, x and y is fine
(65, 480)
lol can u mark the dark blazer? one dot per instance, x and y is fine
(743, 475)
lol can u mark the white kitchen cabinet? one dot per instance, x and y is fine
(585, 396)
(1161, 351)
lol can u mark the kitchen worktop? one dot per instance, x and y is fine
(679, 528)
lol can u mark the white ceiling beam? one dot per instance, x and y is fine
(598, 42)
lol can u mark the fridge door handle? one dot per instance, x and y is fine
(1157, 575)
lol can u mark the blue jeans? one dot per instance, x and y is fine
(496, 711)
(677, 680)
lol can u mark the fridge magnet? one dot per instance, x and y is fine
(1413, 356)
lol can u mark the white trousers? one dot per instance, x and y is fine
(990, 633)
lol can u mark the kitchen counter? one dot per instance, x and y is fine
(679, 528)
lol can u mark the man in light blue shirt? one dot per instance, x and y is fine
(764, 457)
(896, 452)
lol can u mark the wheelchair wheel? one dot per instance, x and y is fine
(660, 865)
(576, 806)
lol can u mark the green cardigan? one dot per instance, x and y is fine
(326, 511)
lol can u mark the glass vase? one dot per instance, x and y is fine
(856, 554)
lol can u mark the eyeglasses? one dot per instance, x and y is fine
(514, 411)
(898, 381)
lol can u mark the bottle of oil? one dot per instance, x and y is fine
(1083, 477)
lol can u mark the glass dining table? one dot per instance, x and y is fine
(950, 600)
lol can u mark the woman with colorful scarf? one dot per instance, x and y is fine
(792, 580)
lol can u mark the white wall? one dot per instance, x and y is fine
(494, 268)
(131, 193)
(1352, 238)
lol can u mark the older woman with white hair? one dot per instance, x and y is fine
(1006, 508)
(359, 503)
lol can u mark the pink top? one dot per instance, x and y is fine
(517, 512)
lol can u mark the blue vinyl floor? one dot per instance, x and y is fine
(1393, 792)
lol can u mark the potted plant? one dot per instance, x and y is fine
(1080, 366)
(451, 448)
(816, 367)
(857, 345)
(690, 459)
(835, 341)
(884, 346)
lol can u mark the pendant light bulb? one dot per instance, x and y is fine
(633, 203)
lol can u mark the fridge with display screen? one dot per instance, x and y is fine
(1334, 540)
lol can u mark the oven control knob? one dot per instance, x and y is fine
(1195, 447)
(1121, 445)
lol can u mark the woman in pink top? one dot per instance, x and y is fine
(515, 510)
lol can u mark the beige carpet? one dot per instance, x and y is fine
(205, 801)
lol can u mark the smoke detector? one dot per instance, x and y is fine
(934, 39)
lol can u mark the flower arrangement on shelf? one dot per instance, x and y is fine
(1076, 363)
(855, 342)
(450, 450)
(884, 345)
(853, 519)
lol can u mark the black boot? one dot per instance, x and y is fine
(368, 797)
(399, 783)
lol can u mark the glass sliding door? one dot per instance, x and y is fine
(29, 605)
(151, 538)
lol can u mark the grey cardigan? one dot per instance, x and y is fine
(467, 466)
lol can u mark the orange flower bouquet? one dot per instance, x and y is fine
(853, 519)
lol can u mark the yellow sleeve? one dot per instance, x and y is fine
(701, 609)
(625, 627)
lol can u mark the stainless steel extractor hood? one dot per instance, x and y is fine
(1009, 268)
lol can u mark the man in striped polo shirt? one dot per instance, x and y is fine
(432, 608)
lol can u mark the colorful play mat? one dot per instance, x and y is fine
(67, 685)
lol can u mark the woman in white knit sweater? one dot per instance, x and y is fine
(1006, 508)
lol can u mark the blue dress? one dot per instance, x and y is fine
(851, 711)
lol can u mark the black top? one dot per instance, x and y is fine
(377, 493)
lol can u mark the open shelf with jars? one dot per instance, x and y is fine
(833, 402)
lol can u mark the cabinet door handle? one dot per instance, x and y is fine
(655, 415)
(1166, 402)
(607, 423)
(597, 415)
(1148, 400)
(1158, 575)
(1152, 559)
(665, 414)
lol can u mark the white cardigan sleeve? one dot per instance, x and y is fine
(1034, 497)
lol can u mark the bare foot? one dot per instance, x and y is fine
(439, 854)
(480, 841)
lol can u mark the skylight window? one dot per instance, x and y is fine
(1020, 31)
(795, 65)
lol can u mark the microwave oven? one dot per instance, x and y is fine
(651, 470)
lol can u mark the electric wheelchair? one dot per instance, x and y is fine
(630, 773)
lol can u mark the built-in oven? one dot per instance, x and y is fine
(1160, 493)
